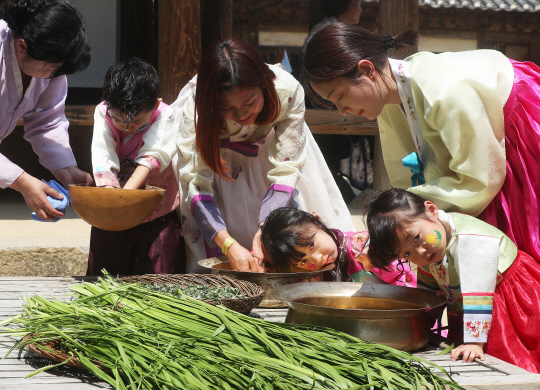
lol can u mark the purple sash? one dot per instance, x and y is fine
(245, 148)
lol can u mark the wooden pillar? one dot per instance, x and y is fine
(534, 51)
(253, 25)
(179, 44)
(395, 17)
(137, 13)
(217, 22)
(481, 38)
(315, 13)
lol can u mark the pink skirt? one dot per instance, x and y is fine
(515, 209)
(515, 330)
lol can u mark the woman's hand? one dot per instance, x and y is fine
(35, 194)
(256, 250)
(242, 260)
(239, 257)
(470, 351)
(73, 175)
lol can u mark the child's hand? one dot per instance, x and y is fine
(470, 351)
(242, 260)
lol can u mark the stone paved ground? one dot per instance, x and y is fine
(30, 248)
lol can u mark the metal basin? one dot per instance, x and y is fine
(268, 281)
(390, 315)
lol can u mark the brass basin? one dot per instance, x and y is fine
(391, 315)
(268, 281)
(114, 209)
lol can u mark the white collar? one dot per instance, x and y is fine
(445, 217)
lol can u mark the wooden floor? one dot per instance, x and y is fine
(491, 374)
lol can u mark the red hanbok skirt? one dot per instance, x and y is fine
(515, 209)
(515, 330)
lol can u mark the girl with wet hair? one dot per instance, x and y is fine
(245, 150)
(491, 286)
(460, 129)
(295, 240)
(41, 41)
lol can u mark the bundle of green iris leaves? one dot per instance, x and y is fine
(136, 338)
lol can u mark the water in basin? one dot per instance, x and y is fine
(365, 303)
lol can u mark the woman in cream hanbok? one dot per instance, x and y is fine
(243, 151)
(466, 125)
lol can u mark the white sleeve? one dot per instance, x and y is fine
(104, 155)
(159, 141)
(476, 259)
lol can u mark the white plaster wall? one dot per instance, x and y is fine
(101, 19)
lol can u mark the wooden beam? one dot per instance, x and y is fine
(319, 121)
(77, 116)
(179, 45)
(332, 122)
(136, 17)
(217, 22)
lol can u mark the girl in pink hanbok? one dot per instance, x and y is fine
(41, 41)
(296, 239)
(493, 289)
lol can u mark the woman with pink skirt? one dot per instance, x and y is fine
(459, 129)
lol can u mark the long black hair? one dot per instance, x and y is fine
(53, 31)
(131, 86)
(389, 215)
(286, 228)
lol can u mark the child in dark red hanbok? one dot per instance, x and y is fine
(134, 145)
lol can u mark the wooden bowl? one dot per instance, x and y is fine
(114, 209)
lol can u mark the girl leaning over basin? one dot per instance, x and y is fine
(467, 123)
(245, 150)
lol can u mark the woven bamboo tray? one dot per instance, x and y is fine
(56, 356)
(254, 293)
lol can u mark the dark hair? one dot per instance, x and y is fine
(53, 31)
(336, 49)
(389, 214)
(335, 7)
(286, 228)
(226, 66)
(131, 86)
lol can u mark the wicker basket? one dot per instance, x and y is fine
(57, 356)
(254, 293)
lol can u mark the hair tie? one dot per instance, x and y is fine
(389, 42)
